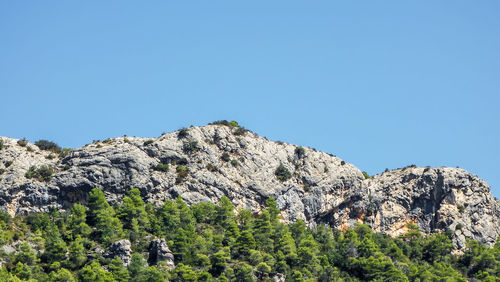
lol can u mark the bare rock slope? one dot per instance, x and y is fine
(206, 163)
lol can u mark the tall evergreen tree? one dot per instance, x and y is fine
(108, 227)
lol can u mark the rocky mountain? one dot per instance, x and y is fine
(206, 163)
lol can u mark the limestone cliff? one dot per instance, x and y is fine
(206, 163)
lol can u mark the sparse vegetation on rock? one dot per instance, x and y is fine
(42, 173)
(366, 175)
(225, 122)
(300, 152)
(148, 142)
(225, 157)
(161, 167)
(282, 173)
(190, 146)
(183, 133)
(182, 173)
(22, 142)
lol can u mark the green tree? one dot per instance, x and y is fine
(23, 271)
(272, 207)
(61, 275)
(219, 260)
(225, 212)
(183, 273)
(120, 273)
(133, 208)
(137, 265)
(286, 245)
(77, 253)
(26, 255)
(151, 274)
(263, 270)
(55, 249)
(108, 227)
(262, 230)
(77, 221)
(436, 247)
(94, 272)
(244, 244)
(243, 272)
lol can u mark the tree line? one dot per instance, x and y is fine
(211, 242)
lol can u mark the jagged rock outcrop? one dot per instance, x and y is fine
(437, 200)
(159, 252)
(206, 163)
(121, 249)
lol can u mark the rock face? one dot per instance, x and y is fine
(206, 163)
(121, 249)
(158, 252)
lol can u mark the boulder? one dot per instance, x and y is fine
(159, 252)
(121, 249)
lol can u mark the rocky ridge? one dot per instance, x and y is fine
(206, 163)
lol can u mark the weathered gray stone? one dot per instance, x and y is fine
(121, 249)
(159, 252)
(322, 189)
(8, 249)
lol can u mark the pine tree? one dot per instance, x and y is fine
(120, 273)
(108, 227)
(94, 272)
(61, 275)
(26, 255)
(244, 244)
(133, 208)
(77, 253)
(77, 221)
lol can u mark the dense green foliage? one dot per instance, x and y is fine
(282, 173)
(213, 243)
(48, 146)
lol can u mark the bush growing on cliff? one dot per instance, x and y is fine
(300, 152)
(240, 131)
(148, 142)
(48, 146)
(183, 133)
(65, 152)
(161, 167)
(182, 173)
(282, 173)
(1, 144)
(43, 173)
(22, 142)
(190, 146)
(225, 122)
(225, 157)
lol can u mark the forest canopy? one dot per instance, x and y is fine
(211, 242)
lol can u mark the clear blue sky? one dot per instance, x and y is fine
(381, 84)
